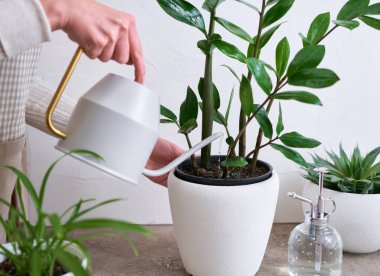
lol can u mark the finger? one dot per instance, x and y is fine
(121, 53)
(137, 55)
(108, 52)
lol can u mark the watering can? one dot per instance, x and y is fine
(118, 119)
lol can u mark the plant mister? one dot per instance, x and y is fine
(315, 248)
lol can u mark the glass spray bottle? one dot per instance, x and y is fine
(315, 248)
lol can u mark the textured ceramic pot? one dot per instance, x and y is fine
(222, 230)
(72, 248)
(356, 218)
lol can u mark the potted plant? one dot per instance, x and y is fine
(354, 184)
(36, 249)
(223, 206)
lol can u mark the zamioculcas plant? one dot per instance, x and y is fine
(302, 71)
(356, 174)
(36, 249)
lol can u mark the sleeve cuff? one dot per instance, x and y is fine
(23, 25)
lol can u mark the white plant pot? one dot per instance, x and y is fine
(222, 230)
(356, 218)
(73, 249)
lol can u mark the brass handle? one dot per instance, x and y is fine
(59, 92)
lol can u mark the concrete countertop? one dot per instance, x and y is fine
(159, 255)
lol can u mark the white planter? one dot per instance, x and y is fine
(73, 249)
(222, 230)
(356, 218)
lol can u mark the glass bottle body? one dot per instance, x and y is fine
(315, 250)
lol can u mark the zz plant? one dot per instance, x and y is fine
(302, 70)
(36, 249)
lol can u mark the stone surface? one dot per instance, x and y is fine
(112, 256)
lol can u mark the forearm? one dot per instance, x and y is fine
(39, 99)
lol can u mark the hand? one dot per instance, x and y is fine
(163, 153)
(102, 32)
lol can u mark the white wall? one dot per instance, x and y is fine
(173, 61)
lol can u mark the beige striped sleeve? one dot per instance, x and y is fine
(38, 101)
(23, 25)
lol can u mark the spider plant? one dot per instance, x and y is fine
(350, 174)
(35, 249)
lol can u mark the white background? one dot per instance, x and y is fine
(349, 115)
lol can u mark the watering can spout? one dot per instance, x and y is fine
(183, 157)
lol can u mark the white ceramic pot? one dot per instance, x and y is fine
(222, 230)
(73, 249)
(356, 218)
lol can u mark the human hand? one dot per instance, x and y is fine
(163, 153)
(102, 32)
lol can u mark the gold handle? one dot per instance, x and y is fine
(59, 92)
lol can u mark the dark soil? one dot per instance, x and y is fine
(215, 171)
(8, 268)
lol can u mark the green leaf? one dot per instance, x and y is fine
(229, 105)
(305, 41)
(300, 96)
(318, 27)
(219, 118)
(232, 71)
(234, 29)
(35, 264)
(347, 24)
(118, 225)
(211, 5)
(271, 2)
(230, 50)
(370, 21)
(290, 154)
(166, 112)
(205, 46)
(277, 12)
(258, 70)
(373, 9)
(296, 140)
(308, 57)
(353, 9)
(229, 140)
(282, 56)
(56, 223)
(71, 263)
(314, 78)
(215, 93)
(280, 124)
(189, 126)
(189, 108)
(370, 158)
(267, 35)
(246, 96)
(264, 122)
(166, 121)
(183, 11)
(248, 5)
(236, 161)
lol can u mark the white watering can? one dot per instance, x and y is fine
(118, 119)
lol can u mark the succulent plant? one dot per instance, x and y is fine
(356, 174)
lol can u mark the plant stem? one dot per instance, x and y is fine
(262, 146)
(193, 161)
(255, 54)
(282, 83)
(208, 101)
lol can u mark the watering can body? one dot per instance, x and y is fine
(117, 119)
